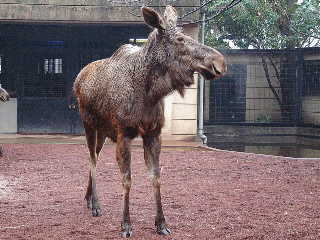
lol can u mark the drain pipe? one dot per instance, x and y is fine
(201, 92)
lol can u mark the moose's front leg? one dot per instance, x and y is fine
(91, 195)
(124, 162)
(152, 148)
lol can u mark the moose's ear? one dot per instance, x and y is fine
(170, 16)
(152, 18)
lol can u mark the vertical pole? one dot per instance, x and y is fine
(299, 86)
(201, 91)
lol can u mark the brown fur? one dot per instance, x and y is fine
(122, 97)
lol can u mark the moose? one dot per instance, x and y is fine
(121, 97)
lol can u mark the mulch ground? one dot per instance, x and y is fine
(206, 195)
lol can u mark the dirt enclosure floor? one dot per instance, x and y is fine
(206, 195)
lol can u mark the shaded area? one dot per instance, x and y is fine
(206, 195)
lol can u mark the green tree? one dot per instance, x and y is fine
(265, 24)
(268, 24)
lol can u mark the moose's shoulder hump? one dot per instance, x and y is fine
(126, 49)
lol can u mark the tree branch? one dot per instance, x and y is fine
(266, 70)
(195, 9)
(275, 68)
(222, 10)
(305, 34)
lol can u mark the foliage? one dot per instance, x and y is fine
(265, 24)
(264, 118)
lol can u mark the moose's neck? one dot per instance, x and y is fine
(164, 74)
(158, 85)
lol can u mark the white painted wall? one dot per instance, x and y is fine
(8, 116)
(181, 114)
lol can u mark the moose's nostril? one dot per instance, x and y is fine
(219, 67)
(216, 70)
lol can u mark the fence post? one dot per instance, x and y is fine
(201, 92)
(299, 85)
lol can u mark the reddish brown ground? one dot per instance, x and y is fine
(206, 195)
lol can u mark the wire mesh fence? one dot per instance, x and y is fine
(275, 87)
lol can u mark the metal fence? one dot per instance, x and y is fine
(267, 88)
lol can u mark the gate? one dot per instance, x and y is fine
(46, 102)
(42, 102)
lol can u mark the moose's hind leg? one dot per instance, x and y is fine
(88, 196)
(101, 137)
(91, 195)
(124, 161)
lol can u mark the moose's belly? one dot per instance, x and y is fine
(138, 120)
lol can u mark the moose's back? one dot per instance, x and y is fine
(113, 89)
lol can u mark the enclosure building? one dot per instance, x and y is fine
(45, 43)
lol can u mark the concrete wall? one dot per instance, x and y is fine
(84, 10)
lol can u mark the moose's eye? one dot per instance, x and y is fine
(180, 39)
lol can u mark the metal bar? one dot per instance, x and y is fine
(201, 92)
(299, 86)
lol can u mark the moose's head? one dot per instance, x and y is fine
(180, 53)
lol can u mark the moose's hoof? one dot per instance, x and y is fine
(96, 211)
(162, 229)
(126, 230)
(94, 206)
